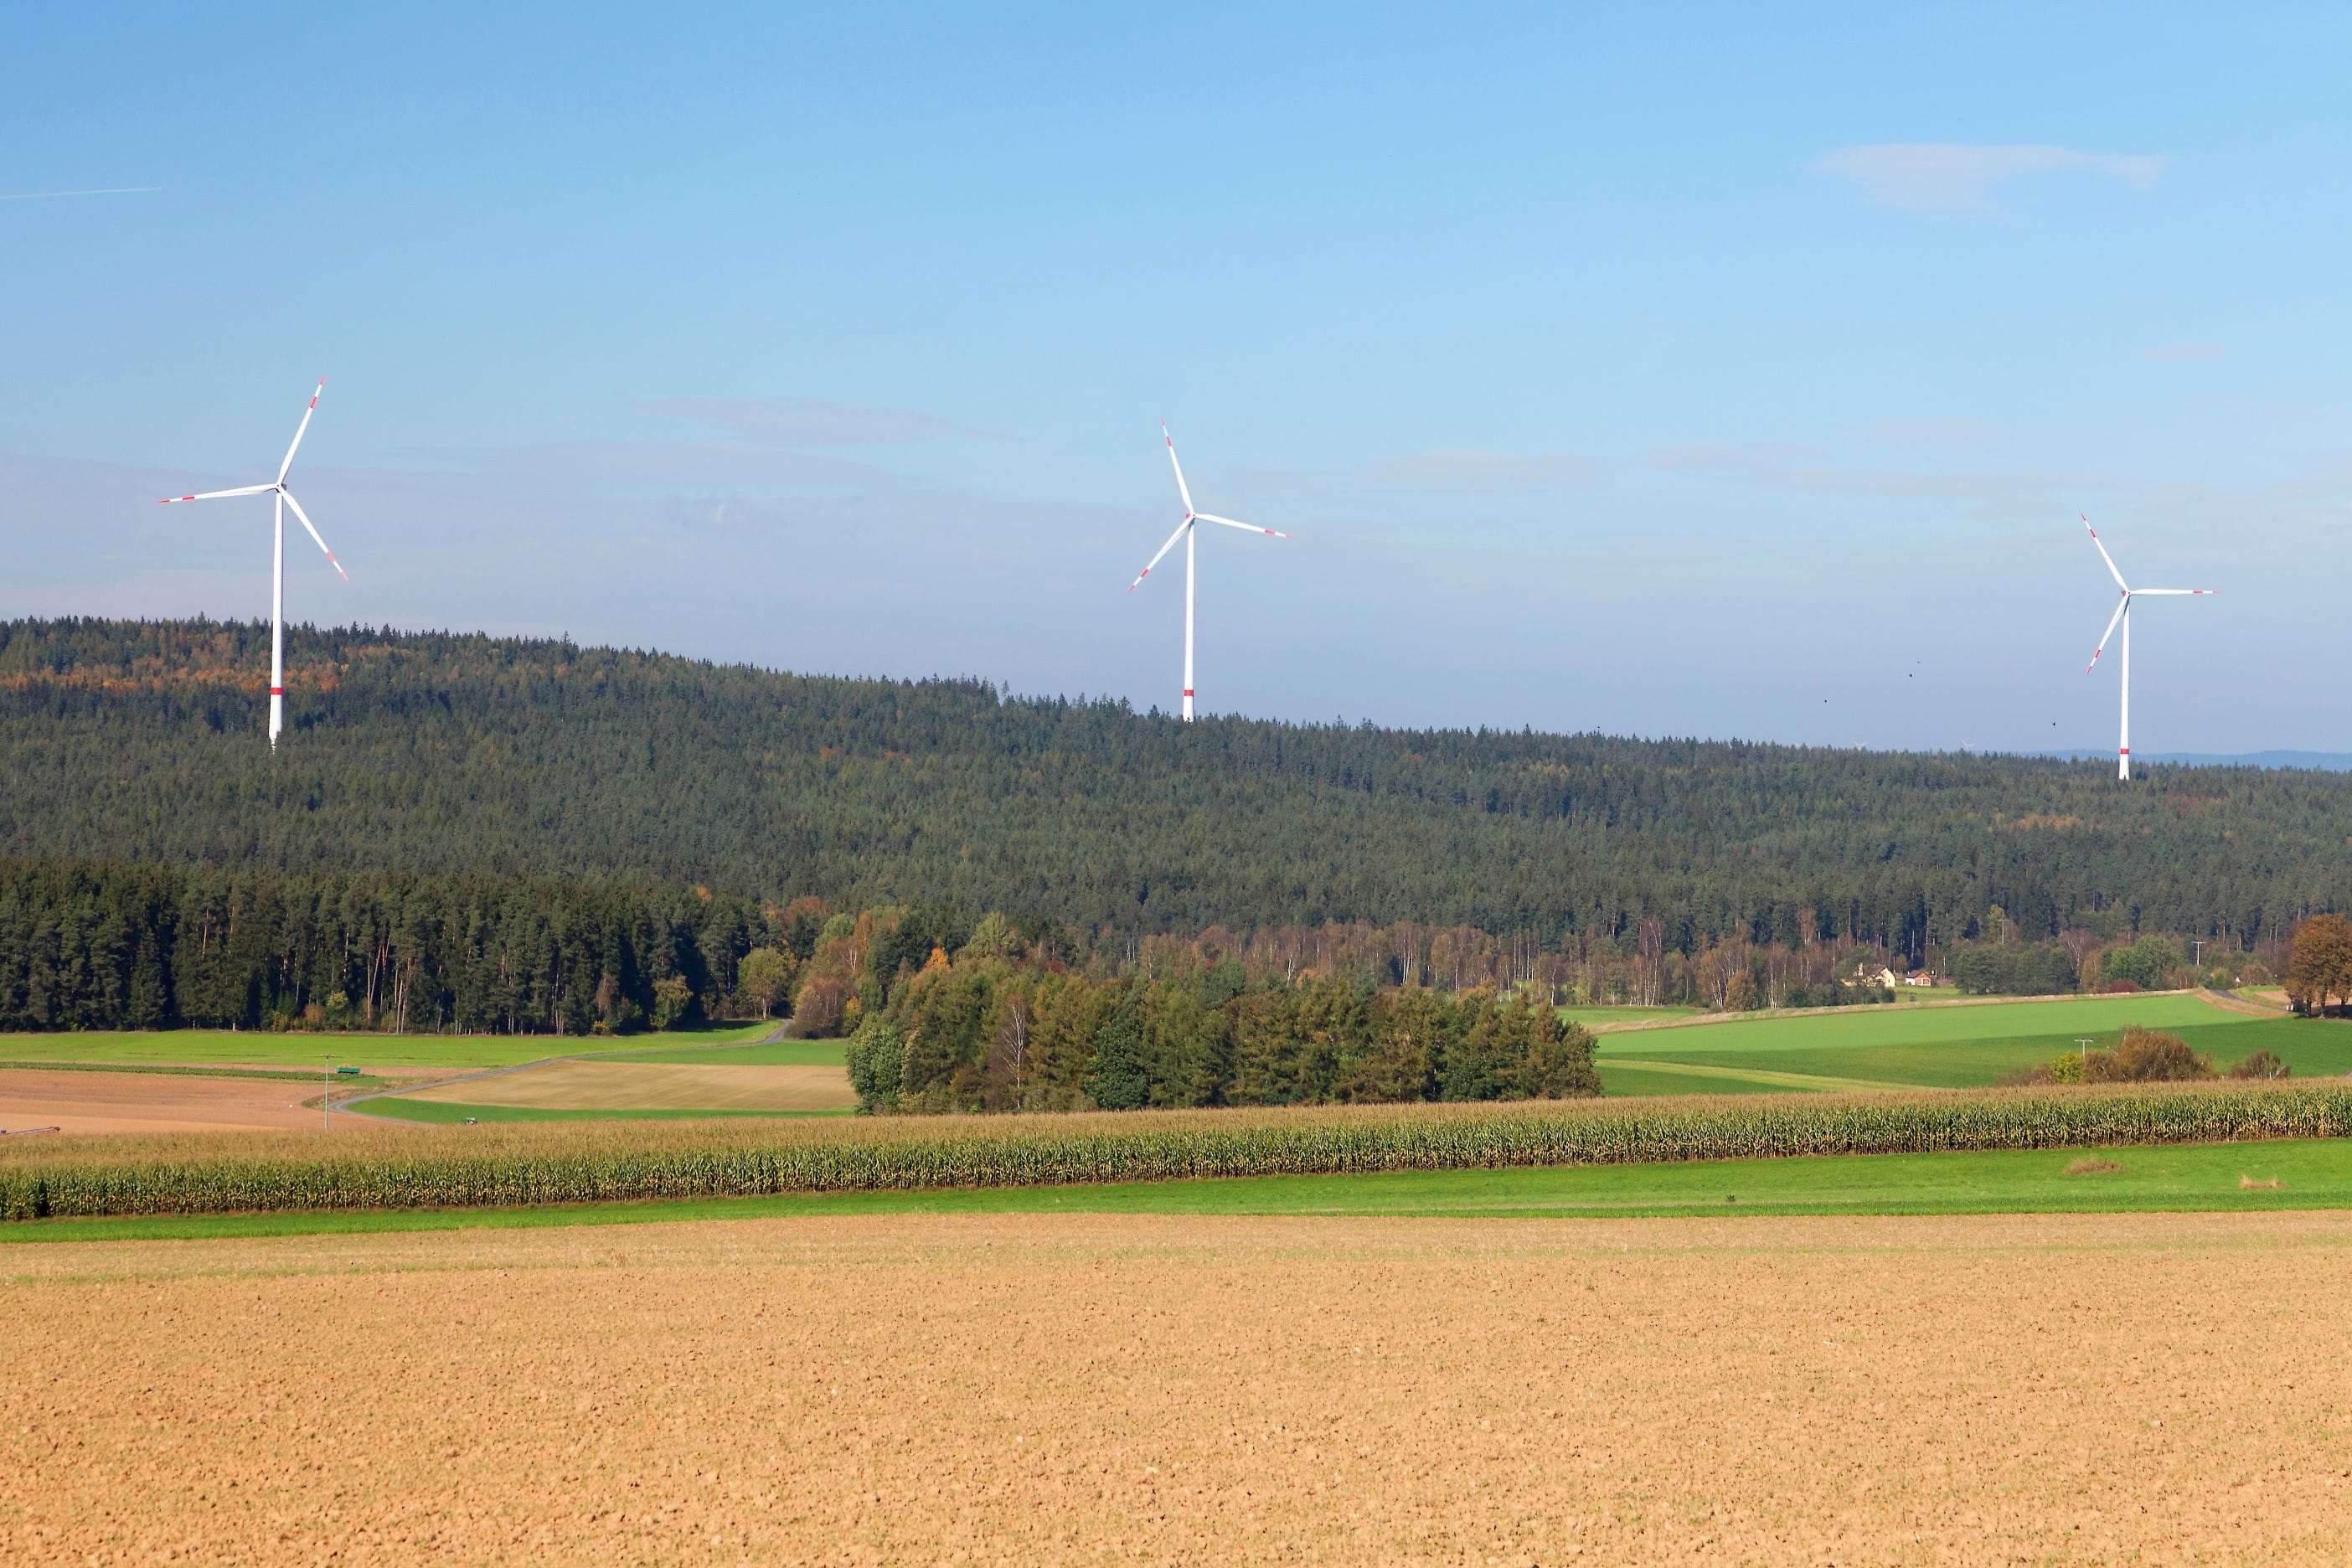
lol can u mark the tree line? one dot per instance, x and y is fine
(89, 944)
(992, 1033)
(538, 759)
(100, 945)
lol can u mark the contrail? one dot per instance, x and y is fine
(109, 190)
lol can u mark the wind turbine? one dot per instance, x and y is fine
(2123, 617)
(284, 499)
(1184, 533)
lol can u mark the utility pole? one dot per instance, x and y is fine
(326, 1088)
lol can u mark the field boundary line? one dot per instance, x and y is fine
(1760, 1075)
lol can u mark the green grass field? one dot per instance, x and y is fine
(1853, 1027)
(2310, 1173)
(455, 1052)
(1943, 1047)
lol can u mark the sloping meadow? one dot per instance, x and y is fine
(604, 1162)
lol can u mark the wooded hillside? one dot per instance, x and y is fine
(455, 754)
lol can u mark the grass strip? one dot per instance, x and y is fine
(2310, 1173)
(436, 1167)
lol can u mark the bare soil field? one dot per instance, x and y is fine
(656, 1086)
(1167, 1389)
(117, 1102)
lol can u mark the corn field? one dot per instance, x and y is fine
(479, 1167)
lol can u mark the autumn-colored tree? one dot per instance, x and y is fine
(2321, 968)
(763, 979)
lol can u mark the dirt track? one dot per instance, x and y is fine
(1074, 1389)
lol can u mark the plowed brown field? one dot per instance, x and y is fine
(75, 1102)
(1157, 1389)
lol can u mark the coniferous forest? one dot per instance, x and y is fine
(595, 822)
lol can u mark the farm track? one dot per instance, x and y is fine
(2229, 1004)
(1060, 1390)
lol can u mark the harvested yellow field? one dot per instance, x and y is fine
(655, 1086)
(1154, 1389)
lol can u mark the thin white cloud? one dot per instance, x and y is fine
(1954, 180)
(1449, 471)
(658, 463)
(1930, 435)
(2184, 354)
(1460, 472)
(809, 421)
(52, 195)
(1734, 457)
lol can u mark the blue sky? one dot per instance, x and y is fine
(1714, 370)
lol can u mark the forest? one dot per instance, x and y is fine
(943, 1012)
(455, 761)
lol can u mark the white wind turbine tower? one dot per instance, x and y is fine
(2123, 617)
(1184, 533)
(284, 499)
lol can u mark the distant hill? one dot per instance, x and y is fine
(2322, 762)
(453, 752)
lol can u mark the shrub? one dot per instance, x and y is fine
(2148, 1056)
(2261, 1064)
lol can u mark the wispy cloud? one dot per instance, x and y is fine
(669, 463)
(810, 422)
(2184, 354)
(1954, 180)
(52, 195)
(1447, 471)
(1930, 435)
(1453, 472)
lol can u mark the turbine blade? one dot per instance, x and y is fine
(2106, 557)
(1164, 548)
(215, 495)
(297, 433)
(1173, 463)
(1245, 527)
(2123, 604)
(2176, 591)
(314, 534)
